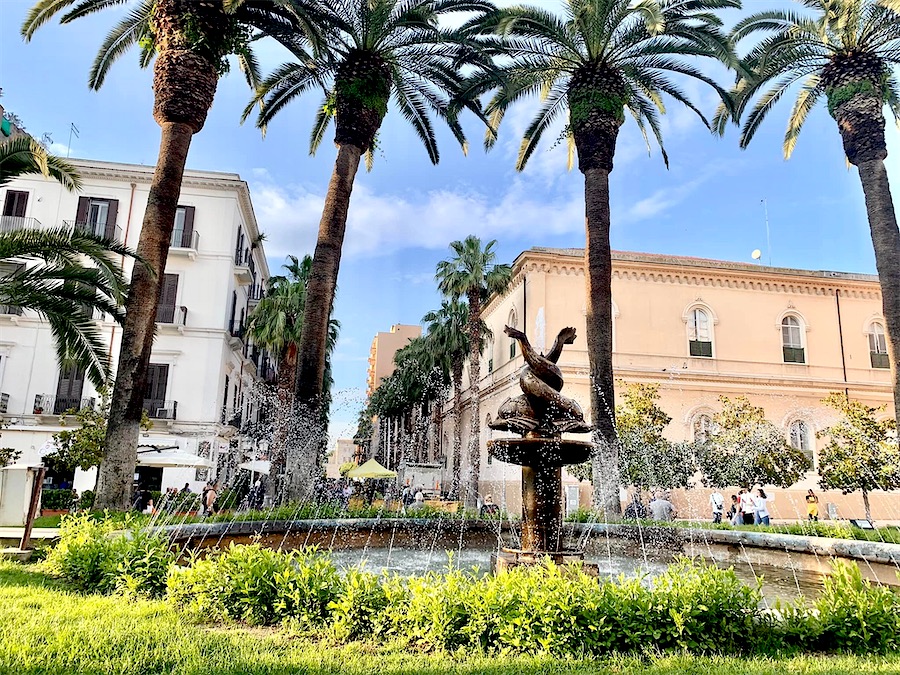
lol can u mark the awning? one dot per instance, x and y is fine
(371, 469)
(167, 458)
(257, 466)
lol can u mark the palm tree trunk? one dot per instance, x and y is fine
(314, 336)
(117, 468)
(886, 242)
(474, 451)
(598, 263)
(284, 392)
(456, 469)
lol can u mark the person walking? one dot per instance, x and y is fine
(662, 509)
(734, 513)
(748, 508)
(812, 506)
(762, 510)
(717, 502)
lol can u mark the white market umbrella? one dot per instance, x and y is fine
(169, 458)
(257, 466)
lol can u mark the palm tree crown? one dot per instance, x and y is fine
(370, 53)
(845, 49)
(66, 291)
(23, 155)
(601, 58)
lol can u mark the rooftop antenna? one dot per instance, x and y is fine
(72, 130)
(768, 238)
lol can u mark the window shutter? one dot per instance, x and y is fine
(15, 203)
(167, 292)
(81, 215)
(188, 234)
(110, 232)
(157, 379)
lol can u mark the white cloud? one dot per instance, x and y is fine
(385, 223)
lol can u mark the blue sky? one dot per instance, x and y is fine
(406, 211)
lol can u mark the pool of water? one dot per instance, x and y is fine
(778, 583)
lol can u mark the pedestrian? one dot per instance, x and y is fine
(255, 497)
(635, 510)
(186, 490)
(211, 496)
(489, 508)
(418, 502)
(812, 506)
(762, 511)
(717, 502)
(748, 508)
(734, 513)
(662, 509)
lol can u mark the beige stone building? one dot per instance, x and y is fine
(381, 354)
(701, 329)
(344, 451)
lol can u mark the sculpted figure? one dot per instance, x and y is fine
(541, 411)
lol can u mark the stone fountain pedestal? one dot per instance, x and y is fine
(541, 415)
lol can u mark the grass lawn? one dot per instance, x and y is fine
(46, 629)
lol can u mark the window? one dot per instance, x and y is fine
(702, 428)
(69, 389)
(878, 346)
(513, 320)
(699, 333)
(183, 232)
(165, 312)
(792, 340)
(155, 402)
(97, 216)
(489, 352)
(15, 203)
(800, 438)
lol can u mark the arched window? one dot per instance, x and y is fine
(800, 438)
(792, 340)
(699, 333)
(513, 319)
(702, 428)
(878, 346)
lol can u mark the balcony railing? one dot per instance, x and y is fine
(794, 355)
(97, 229)
(185, 239)
(236, 329)
(11, 309)
(701, 348)
(4, 403)
(880, 360)
(172, 315)
(14, 224)
(160, 409)
(46, 404)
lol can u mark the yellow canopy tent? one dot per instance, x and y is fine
(371, 469)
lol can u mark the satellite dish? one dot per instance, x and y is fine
(757, 254)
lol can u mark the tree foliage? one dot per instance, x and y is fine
(84, 446)
(862, 452)
(744, 448)
(646, 457)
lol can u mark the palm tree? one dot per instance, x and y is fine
(448, 338)
(190, 40)
(275, 324)
(845, 52)
(77, 274)
(599, 60)
(370, 54)
(472, 273)
(23, 155)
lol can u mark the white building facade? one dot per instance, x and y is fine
(203, 369)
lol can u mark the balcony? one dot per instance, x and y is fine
(47, 404)
(159, 409)
(185, 243)
(96, 229)
(236, 330)
(172, 315)
(880, 360)
(244, 268)
(255, 294)
(13, 310)
(4, 403)
(14, 224)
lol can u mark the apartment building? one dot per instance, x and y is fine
(203, 369)
(701, 329)
(381, 354)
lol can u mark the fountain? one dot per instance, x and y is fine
(541, 415)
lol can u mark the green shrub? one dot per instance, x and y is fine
(357, 611)
(56, 500)
(306, 588)
(856, 615)
(86, 500)
(102, 555)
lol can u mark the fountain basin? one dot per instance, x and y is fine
(540, 452)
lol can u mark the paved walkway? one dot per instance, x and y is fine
(36, 533)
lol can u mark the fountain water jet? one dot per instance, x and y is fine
(541, 415)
